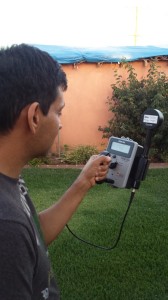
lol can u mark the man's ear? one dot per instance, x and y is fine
(33, 116)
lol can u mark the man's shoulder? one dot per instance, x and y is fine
(11, 208)
(11, 202)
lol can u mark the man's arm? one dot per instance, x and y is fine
(53, 219)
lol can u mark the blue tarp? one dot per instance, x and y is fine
(71, 55)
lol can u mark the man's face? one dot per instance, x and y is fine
(50, 125)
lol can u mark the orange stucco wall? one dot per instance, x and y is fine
(89, 85)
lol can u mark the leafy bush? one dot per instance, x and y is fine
(35, 162)
(130, 98)
(79, 155)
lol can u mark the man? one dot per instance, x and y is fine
(31, 102)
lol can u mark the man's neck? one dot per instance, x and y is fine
(12, 157)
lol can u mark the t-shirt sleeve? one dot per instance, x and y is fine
(17, 261)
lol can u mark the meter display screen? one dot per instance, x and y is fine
(120, 147)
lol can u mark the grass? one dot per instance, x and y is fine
(138, 268)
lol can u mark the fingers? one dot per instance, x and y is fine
(104, 160)
(102, 170)
(101, 159)
(101, 174)
(95, 169)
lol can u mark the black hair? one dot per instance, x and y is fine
(27, 74)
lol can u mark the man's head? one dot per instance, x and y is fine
(27, 75)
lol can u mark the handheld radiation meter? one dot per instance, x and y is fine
(125, 154)
(129, 159)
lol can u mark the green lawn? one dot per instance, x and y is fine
(138, 268)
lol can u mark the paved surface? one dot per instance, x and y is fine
(151, 166)
(158, 165)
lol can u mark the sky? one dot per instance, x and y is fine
(84, 23)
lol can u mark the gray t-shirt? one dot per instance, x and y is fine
(25, 272)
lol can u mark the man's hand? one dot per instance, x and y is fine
(95, 169)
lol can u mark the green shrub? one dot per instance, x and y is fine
(79, 155)
(35, 162)
(130, 98)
